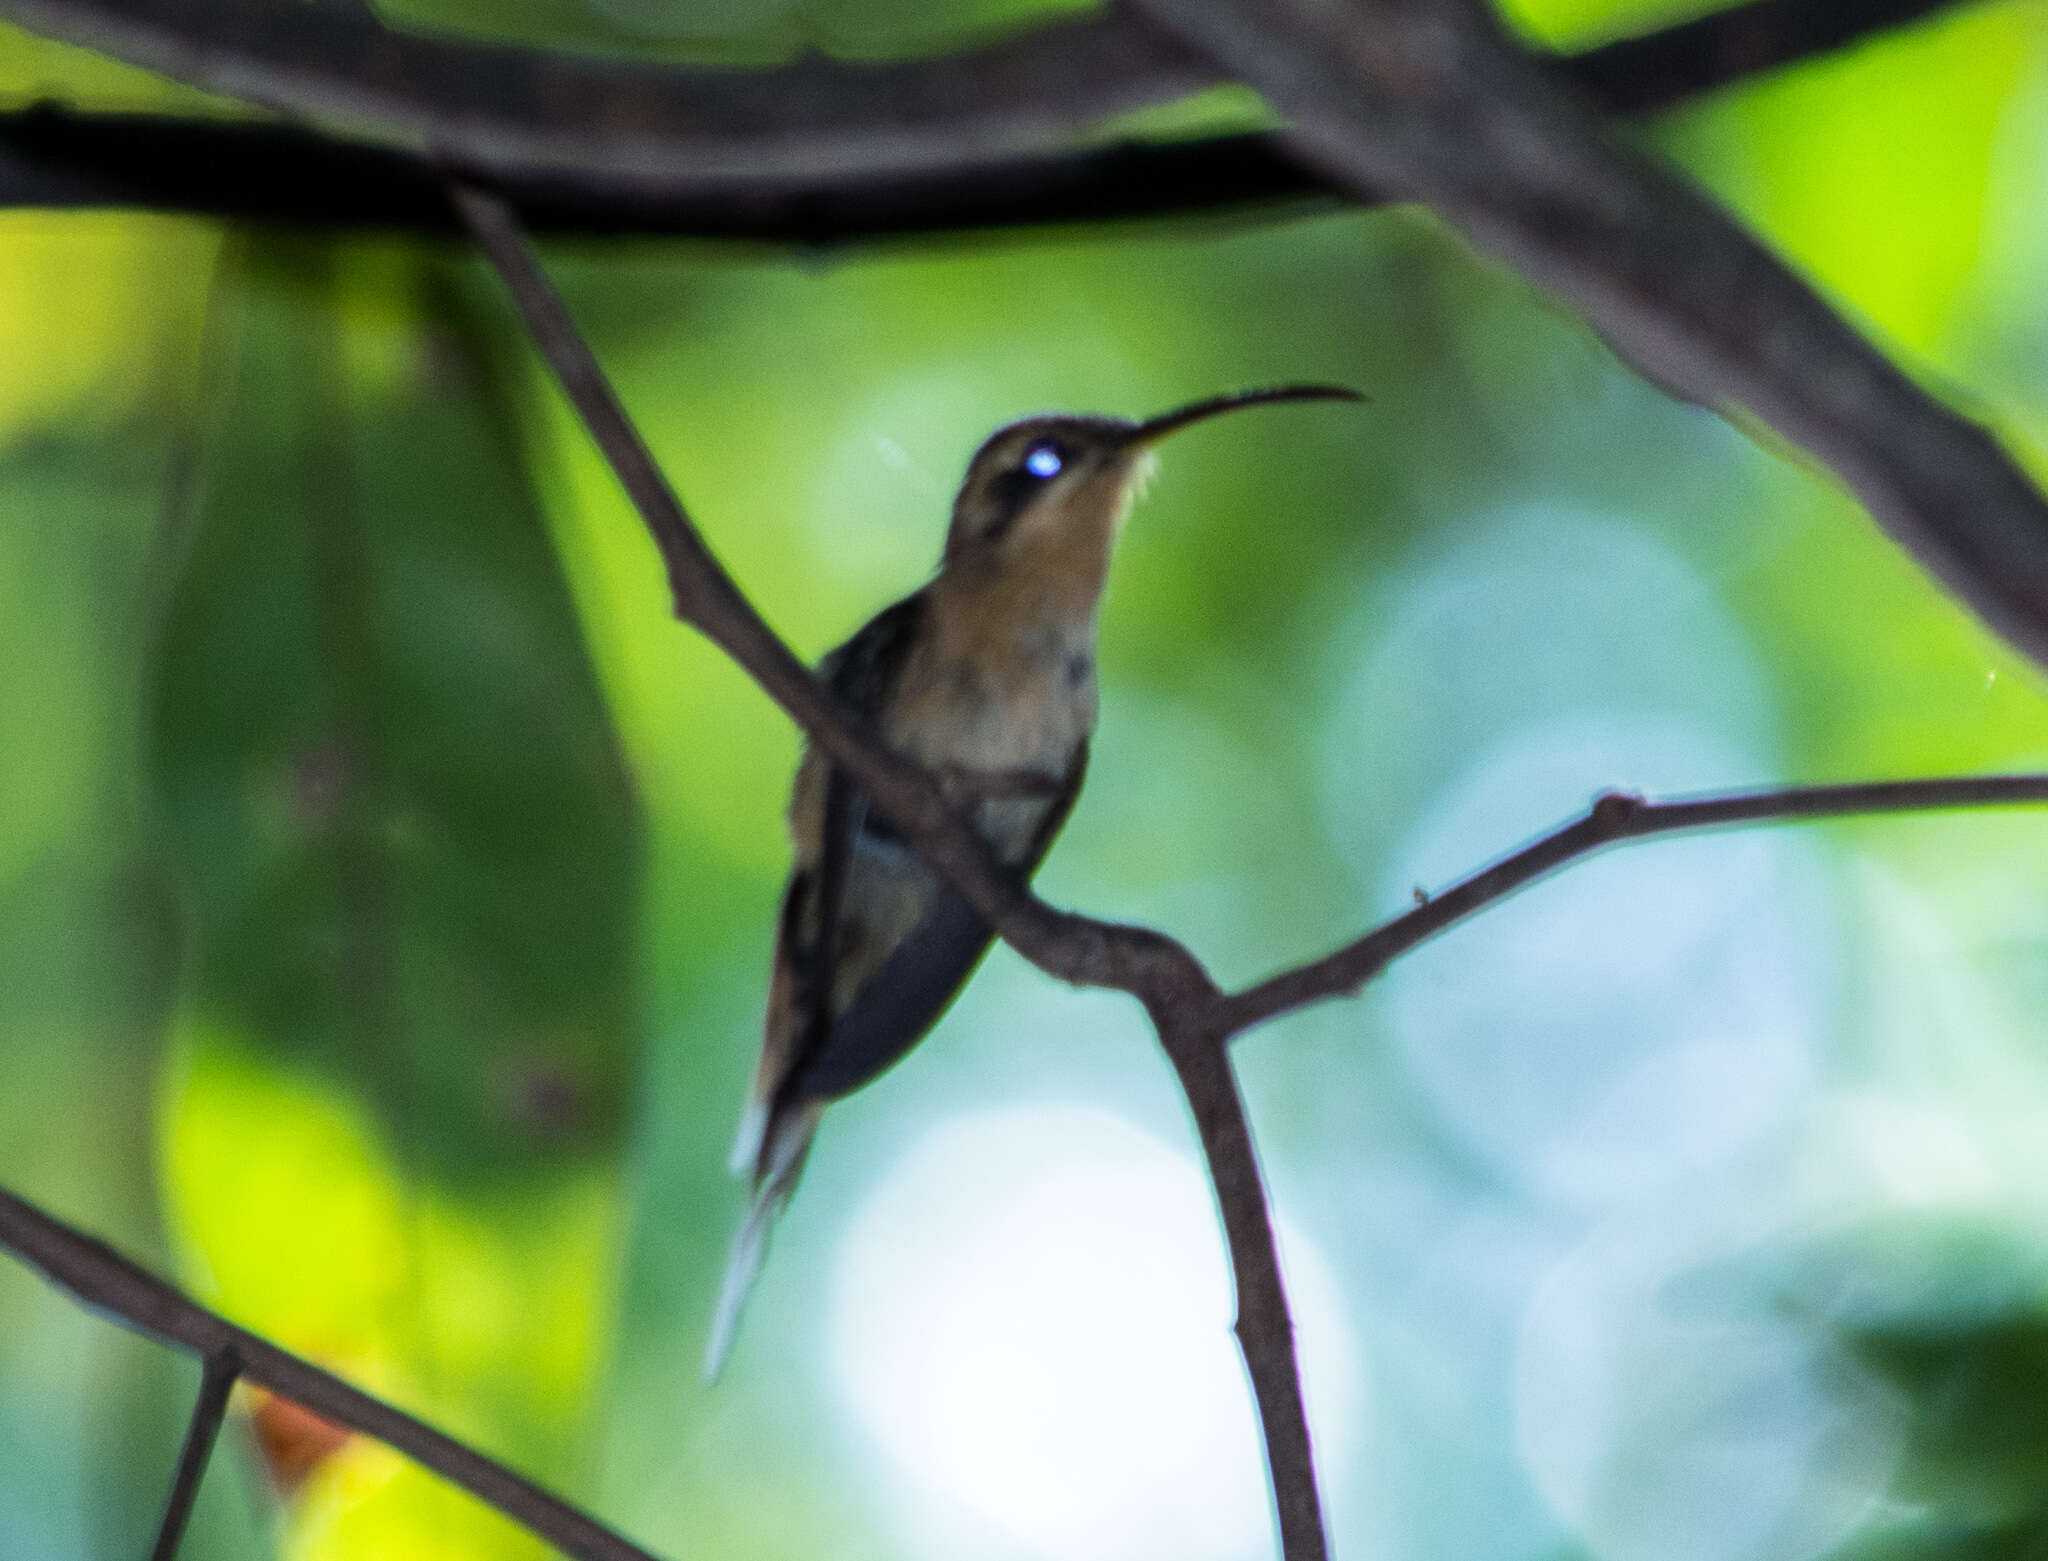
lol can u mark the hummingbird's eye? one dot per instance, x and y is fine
(1018, 483)
(1044, 460)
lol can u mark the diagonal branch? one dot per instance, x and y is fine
(282, 172)
(1425, 99)
(1656, 70)
(1075, 948)
(216, 1381)
(107, 1282)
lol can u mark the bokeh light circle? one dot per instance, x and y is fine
(1670, 1414)
(1031, 1319)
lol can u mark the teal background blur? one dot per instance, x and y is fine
(386, 881)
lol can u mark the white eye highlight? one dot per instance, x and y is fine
(1043, 460)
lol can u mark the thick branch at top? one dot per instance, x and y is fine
(1426, 100)
(54, 157)
(491, 108)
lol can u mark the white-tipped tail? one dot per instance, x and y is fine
(788, 1138)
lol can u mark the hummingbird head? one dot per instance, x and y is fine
(1052, 479)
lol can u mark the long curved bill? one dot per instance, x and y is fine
(1151, 431)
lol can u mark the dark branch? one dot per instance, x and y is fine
(1265, 1326)
(109, 1283)
(1423, 98)
(491, 108)
(1639, 75)
(1075, 948)
(1615, 817)
(267, 171)
(216, 1381)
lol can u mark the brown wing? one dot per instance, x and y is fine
(826, 815)
(905, 997)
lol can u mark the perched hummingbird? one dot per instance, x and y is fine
(986, 676)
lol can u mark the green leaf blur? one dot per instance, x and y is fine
(405, 854)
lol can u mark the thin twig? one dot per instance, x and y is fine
(1264, 1326)
(108, 1282)
(217, 1376)
(1614, 818)
(54, 158)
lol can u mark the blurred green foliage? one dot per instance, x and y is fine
(404, 850)
(1689, 1206)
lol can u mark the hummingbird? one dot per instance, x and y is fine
(986, 677)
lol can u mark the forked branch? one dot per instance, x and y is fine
(1171, 982)
(216, 1381)
(107, 1282)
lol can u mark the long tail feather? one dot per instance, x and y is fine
(788, 1139)
(749, 1247)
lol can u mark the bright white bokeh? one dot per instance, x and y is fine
(1030, 1318)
